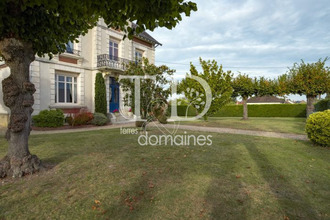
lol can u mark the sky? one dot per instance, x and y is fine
(257, 37)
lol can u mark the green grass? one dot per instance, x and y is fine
(284, 125)
(238, 177)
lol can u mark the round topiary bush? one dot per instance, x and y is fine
(318, 128)
(49, 118)
(99, 119)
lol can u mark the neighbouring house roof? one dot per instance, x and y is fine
(265, 99)
(145, 36)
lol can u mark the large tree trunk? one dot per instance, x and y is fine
(18, 96)
(245, 108)
(310, 105)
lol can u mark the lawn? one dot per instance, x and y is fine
(107, 175)
(285, 125)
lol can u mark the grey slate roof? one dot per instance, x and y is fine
(145, 36)
(265, 99)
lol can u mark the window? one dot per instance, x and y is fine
(65, 89)
(138, 56)
(113, 50)
(69, 47)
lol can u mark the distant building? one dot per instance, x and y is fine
(259, 100)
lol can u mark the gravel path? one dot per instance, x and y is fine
(119, 125)
(185, 127)
(237, 131)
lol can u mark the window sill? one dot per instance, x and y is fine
(67, 105)
(71, 55)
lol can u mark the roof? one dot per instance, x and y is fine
(145, 36)
(265, 99)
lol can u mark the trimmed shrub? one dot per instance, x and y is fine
(49, 118)
(83, 118)
(162, 119)
(266, 110)
(99, 119)
(159, 112)
(182, 110)
(318, 128)
(100, 95)
(322, 105)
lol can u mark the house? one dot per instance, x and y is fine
(258, 100)
(67, 81)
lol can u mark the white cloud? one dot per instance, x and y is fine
(263, 37)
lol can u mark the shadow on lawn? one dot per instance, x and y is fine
(291, 202)
(140, 198)
(227, 197)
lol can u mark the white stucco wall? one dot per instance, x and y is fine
(4, 73)
(94, 43)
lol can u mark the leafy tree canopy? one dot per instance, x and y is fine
(218, 80)
(309, 79)
(243, 86)
(49, 25)
(152, 92)
(264, 86)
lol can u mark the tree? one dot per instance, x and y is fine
(264, 86)
(153, 93)
(43, 27)
(218, 80)
(281, 85)
(244, 86)
(310, 79)
(100, 98)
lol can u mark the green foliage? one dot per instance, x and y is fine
(100, 95)
(282, 85)
(160, 113)
(99, 119)
(180, 101)
(310, 79)
(322, 105)
(49, 118)
(152, 92)
(82, 118)
(182, 110)
(49, 25)
(318, 128)
(218, 80)
(243, 86)
(269, 110)
(264, 86)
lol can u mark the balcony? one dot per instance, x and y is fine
(72, 51)
(108, 62)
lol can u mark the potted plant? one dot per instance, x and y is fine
(130, 113)
(116, 112)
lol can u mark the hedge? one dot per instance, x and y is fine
(322, 105)
(268, 110)
(181, 110)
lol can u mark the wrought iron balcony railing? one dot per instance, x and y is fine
(112, 62)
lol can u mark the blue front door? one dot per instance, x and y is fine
(114, 94)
